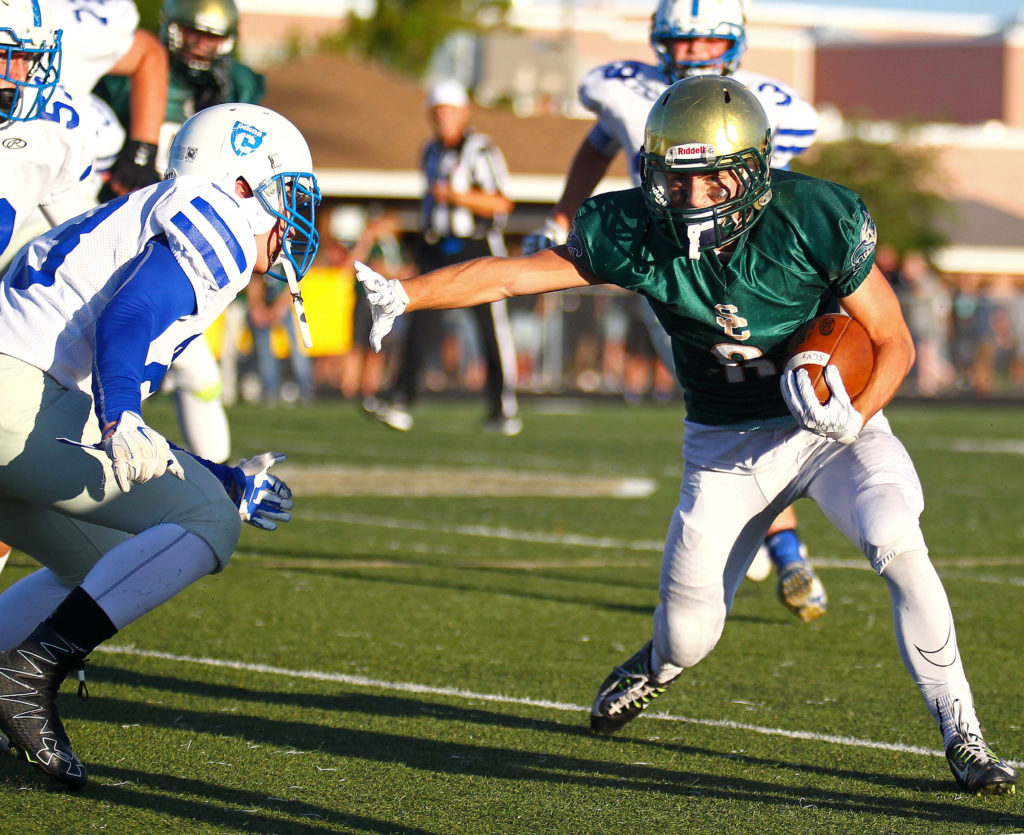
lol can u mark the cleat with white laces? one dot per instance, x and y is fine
(626, 693)
(30, 676)
(976, 768)
(801, 591)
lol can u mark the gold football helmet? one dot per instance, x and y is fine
(215, 17)
(700, 125)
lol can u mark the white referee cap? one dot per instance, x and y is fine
(448, 92)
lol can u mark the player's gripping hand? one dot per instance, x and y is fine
(134, 168)
(138, 453)
(549, 235)
(835, 418)
(387, 299)
(263, 499)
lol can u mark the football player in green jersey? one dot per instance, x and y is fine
(734, 258)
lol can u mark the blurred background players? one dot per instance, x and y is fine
(462, 215)
(690, 37)
(103, 37)
(200, 37)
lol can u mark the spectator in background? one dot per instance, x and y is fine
(270, 306)
(927, 307)
(463, 213)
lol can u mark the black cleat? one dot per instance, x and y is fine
(30, 676)
(626, 693)
(977, 769)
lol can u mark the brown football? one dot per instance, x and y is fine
(832, 339)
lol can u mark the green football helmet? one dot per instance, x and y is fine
(699, 125)
(215, 17)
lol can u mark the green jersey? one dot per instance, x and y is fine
(730, 320)
(187, 93)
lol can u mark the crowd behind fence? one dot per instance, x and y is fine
(968, 330)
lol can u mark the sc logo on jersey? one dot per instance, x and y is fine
(730, 322)
(245, 139)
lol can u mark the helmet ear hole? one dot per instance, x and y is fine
(242, 188)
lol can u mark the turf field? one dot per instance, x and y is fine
(417, 650)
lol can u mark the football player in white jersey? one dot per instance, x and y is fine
(91, 315)
(103, 37)
(690, 37)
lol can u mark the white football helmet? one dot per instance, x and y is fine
(228, 141)
(29, 59)
(684, 19)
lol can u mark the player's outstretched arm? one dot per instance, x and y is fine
(466, 285)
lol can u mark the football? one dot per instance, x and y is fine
(832, 339)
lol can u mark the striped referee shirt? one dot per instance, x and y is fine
(476, 162)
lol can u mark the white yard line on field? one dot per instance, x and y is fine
(614, 544)
(484, 531)
(469, 695)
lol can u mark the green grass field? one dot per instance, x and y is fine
(417, 650)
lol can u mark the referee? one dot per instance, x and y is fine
(462, 214)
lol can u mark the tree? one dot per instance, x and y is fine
(403, 34)
(897, 183)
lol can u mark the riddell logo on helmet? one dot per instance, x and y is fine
(245, 138)
(693, 152)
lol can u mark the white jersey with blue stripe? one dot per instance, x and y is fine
(53, 294)
(46, 162)
(622, 93)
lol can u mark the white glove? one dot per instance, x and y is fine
(387, 299)
(265, 500)
(835, 418)
(138, 453)
(549, 235)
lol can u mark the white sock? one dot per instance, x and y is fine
(662, 671)
(28, 603)
(135, 577)
(927, 642)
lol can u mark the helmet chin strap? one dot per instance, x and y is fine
(696, 235)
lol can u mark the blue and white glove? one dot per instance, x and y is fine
(549, 235)
(138, 453)
(387, 299)
(835, 418)
(263, 499)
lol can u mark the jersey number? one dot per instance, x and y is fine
(86, 10)
(739, 360)
(628, 75)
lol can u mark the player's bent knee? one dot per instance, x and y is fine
(217, 523)
(686, 632)
(889, 524)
